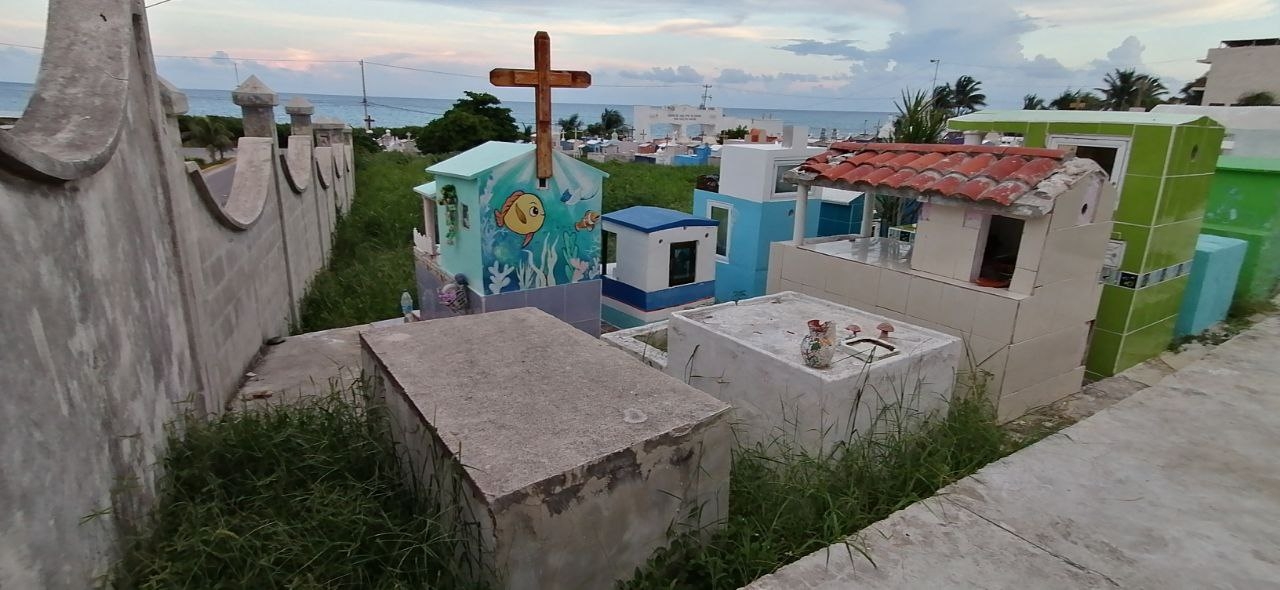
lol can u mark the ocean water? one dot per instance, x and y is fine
(399, 112)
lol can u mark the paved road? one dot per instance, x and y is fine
(1177, 486)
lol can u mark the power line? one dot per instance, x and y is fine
(424, 70)
(158, 3)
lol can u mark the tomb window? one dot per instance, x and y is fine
(683, 264)
(999, 255)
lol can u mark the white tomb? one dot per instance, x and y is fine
(748, 355)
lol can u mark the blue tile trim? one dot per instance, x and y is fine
(656, 300)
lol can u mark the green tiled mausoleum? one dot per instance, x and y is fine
(1163, 165)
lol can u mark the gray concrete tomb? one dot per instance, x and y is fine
(575, 460)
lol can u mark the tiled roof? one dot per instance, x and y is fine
(971, 172)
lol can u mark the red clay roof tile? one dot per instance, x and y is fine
(972, 172)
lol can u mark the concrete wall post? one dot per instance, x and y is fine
(300, 111)
(257, 103)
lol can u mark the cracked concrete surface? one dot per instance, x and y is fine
(1177, 486)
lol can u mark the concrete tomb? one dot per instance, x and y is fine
(1007, 255)
(1161, 165)
(665, 263)
(755, 205)
(569, 461)
(748, 354)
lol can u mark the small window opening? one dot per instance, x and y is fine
(683, 263)
(1000, 253)
(721, 215)
(1104, 156)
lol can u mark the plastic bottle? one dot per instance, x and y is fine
(406, 306)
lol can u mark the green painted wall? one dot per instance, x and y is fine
(1244, 203)
(463, 255)
(1158, 217)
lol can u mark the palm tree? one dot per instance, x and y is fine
(1193, 92)
(1070, 98)
(918, 121)
(1256, 99)
(1125, 89)
(944, 98)
(967, 95)
(570, 124)
(1032, 102)
(211, 135)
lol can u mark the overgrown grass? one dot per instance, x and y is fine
(372, 259)
(298, 497)
(631, 183)
(785, 503)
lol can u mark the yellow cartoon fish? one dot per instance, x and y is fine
(522, 213)
(588, 220)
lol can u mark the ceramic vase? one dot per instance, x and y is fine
(818, 346)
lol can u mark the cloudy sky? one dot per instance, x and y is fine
(804, 54)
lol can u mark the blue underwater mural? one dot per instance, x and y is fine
(534, 237)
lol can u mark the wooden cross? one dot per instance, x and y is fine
(542, 79)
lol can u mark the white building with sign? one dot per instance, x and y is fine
(686, 121)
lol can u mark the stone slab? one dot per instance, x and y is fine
(1177, 486)
(577, 459)
(304, 365)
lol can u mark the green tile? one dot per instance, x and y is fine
(1035, 136)
(1261, 268)
(1183, 198)
(1113, 308)
(1211, 140)
(1145, 344)
(1135, 244)
(1138, 198)
(1073, 128)
(1157, 302)
(1149, 150)
(1244, 200)
(1171, 244)
(1115, 129)
(1104, 347)
(1193, 149)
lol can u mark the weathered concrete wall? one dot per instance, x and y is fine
(130, 293)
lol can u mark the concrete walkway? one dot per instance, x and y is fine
(1177, 486)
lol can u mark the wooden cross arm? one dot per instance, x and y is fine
(529, 78)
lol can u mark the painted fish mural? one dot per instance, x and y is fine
(523, 214)
(588, 221)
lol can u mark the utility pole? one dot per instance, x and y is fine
(364, 100)
(706, 94)
(936, 63)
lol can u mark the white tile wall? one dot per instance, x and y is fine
(924, 299)
(806, 267)
(892, 291)
(1041, 358)
(1045, 392)
(1066, 208)
(775, 267)
(1024, 281)
(994, 317)
(1056, 307)
(1073, 252)
(854, 281)
(958, 307)
(1031, 249)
